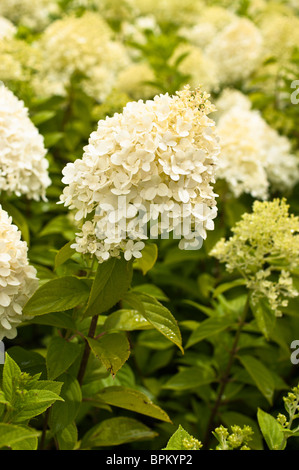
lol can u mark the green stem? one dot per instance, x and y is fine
(225, 378)
(86, 353)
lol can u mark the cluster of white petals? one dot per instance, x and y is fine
(207, 25)
(153, 162)
(281, 36)
(237, 50)
(23, 166)
(83, 45)
(254, 156)
(17, 278)
(7, 28)
(35, 14)
(174, 11)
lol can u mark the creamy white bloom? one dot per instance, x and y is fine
(174, 11)
(281, 36)
(83, 45)
(34, 14)
(23, 166)
(254, 156)
(17, 278)
(7, 28)
(145, 165)
(237, 50)
(207, 25)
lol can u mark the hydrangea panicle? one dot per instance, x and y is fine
(264, 253)
(23, 166)
(254, 157)
(143, 165)
(81, 45)
(17, 278)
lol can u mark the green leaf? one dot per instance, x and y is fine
(11, 373)
(190, 378)
(42, 116)
(51, 138)
(260, 375)
(207, 328)
(67, 438)
(112, 349)
(116, 431)
(60, 356)
(64, 413)
(271, 430)
(18, 437)
(57, 295)
(152, 290)
(179, 440)
(148, 259)
(157, 315)
(35, 402)
(227, 286)
(111, 282)
(57, 319)
(29, 361)
(60, 225)
(133, 400)
(127, 320)
(65, 253)
(265, 318)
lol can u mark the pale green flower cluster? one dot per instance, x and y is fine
(18, 60)
(191, 443)
(264, 249)
(237, 439)
(291, 404)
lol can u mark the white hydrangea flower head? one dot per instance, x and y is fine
(111, 10)
(240, 39)
(281, 36)
(34, 14)
(231, 98)
(17, 278)
(23, 165)
(80, 44)
(174, 11)
(7, 28)
(254, 156)
(143, 165)
(201, 68)
(207, 25)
